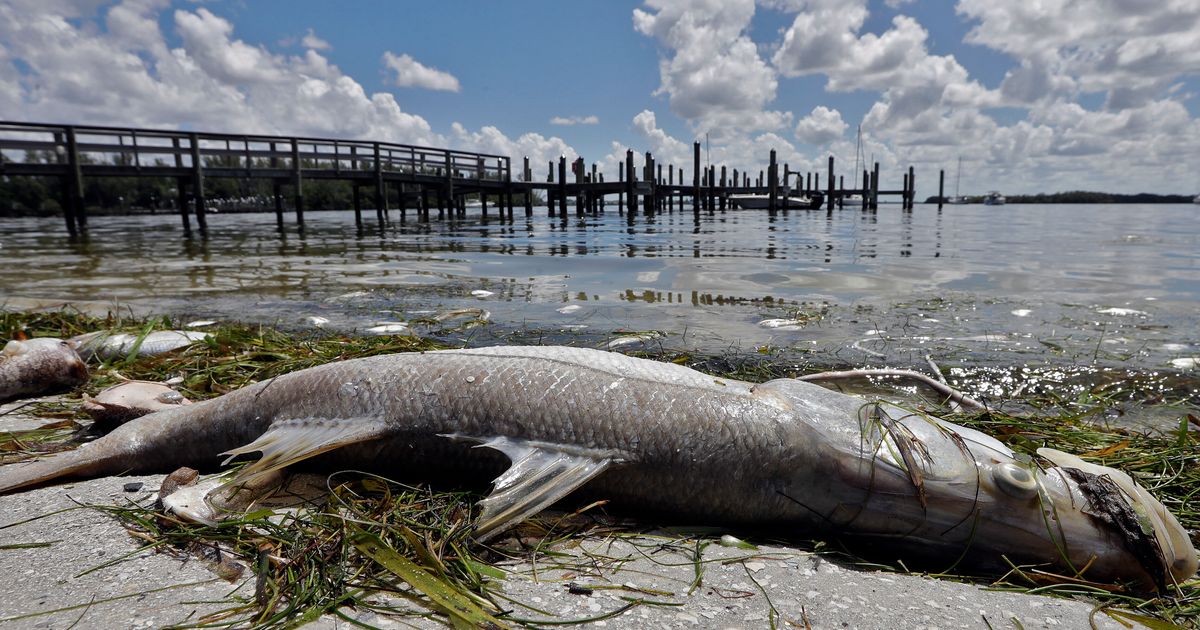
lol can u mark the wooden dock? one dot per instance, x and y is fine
(425, 178)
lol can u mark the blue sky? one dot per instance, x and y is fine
(1046, 96)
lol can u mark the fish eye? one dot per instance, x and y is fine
(1015, 480)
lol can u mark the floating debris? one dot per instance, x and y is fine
(201, 323)
(1022, 312)
(481, 293)
(1186, 363)
(1121, 312)
(570, 308)
(316, 320)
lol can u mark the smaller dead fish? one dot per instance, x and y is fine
(132, 399)
(106, 345)
(388, 328)
(630, 340)
(39, 366)
(476, 314)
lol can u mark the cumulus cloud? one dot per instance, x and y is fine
(713, 75)
(822, 126)
(1132, 50)
(567, 121)
(408, 72)
(538, 148)
(130, 75)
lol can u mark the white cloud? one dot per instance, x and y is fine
(1132, 50)
(714, 76)
(310, 40)
(129, 75)
(567, 121)
(822, 126)
(539, 149)
(411, 73)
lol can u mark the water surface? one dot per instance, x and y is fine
(1114, 288)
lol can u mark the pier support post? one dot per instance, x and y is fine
(724, 193)
(182, 200)
(357, 205)
(829, 183)
(875, 187)
(527, 177)
(772, 187)
(630, 184)
(696, 177)
(75, 210)
(912, 188)
(198, 182)
(380, 191)
(562, 187)
(941, 187)
(297, 183)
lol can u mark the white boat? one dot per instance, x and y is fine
(782, 202)
(957, 199)
(1197, 199)
(994, 198)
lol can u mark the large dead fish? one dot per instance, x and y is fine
(667, 438)
(39, 366)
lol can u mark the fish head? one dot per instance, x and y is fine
(53, 360)
(975, 493)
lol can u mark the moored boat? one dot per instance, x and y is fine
(994, 198)
(782, 202)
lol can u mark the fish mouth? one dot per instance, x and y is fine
(1143, 525)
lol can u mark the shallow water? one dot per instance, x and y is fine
(1064, 288)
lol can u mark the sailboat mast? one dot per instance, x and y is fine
(957, 177)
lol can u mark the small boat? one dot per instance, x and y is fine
(958, 199)
(782, 202)
(994, 198)
(1197, 199)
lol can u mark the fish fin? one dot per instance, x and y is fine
(289, 441)
(541, 473)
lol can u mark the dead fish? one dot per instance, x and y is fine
(107, 345)
(132, 399)
(39, 366)
(663, 437)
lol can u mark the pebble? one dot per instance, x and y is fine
(133, 486)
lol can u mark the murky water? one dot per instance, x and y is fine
(1038, 287)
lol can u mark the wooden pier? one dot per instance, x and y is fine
(425, 178)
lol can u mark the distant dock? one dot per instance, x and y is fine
(424, 179)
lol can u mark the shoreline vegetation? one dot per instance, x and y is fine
(1078, 196)
(380, 534)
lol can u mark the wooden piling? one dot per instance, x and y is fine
(357, 205)
(941, 187)
(297, 184)
(912, 188)
(562, 187)
(527, 175)
(875, 187)
(198, 182)
(75, 210)
(771, 183)
(630, 184)
(829, 183)
(696, 177)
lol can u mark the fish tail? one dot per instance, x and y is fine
(86, 461)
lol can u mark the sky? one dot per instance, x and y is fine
(1030, 95)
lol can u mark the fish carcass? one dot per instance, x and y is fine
(108, 345)
(667, 438)
(132, 399)
(39, 366)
